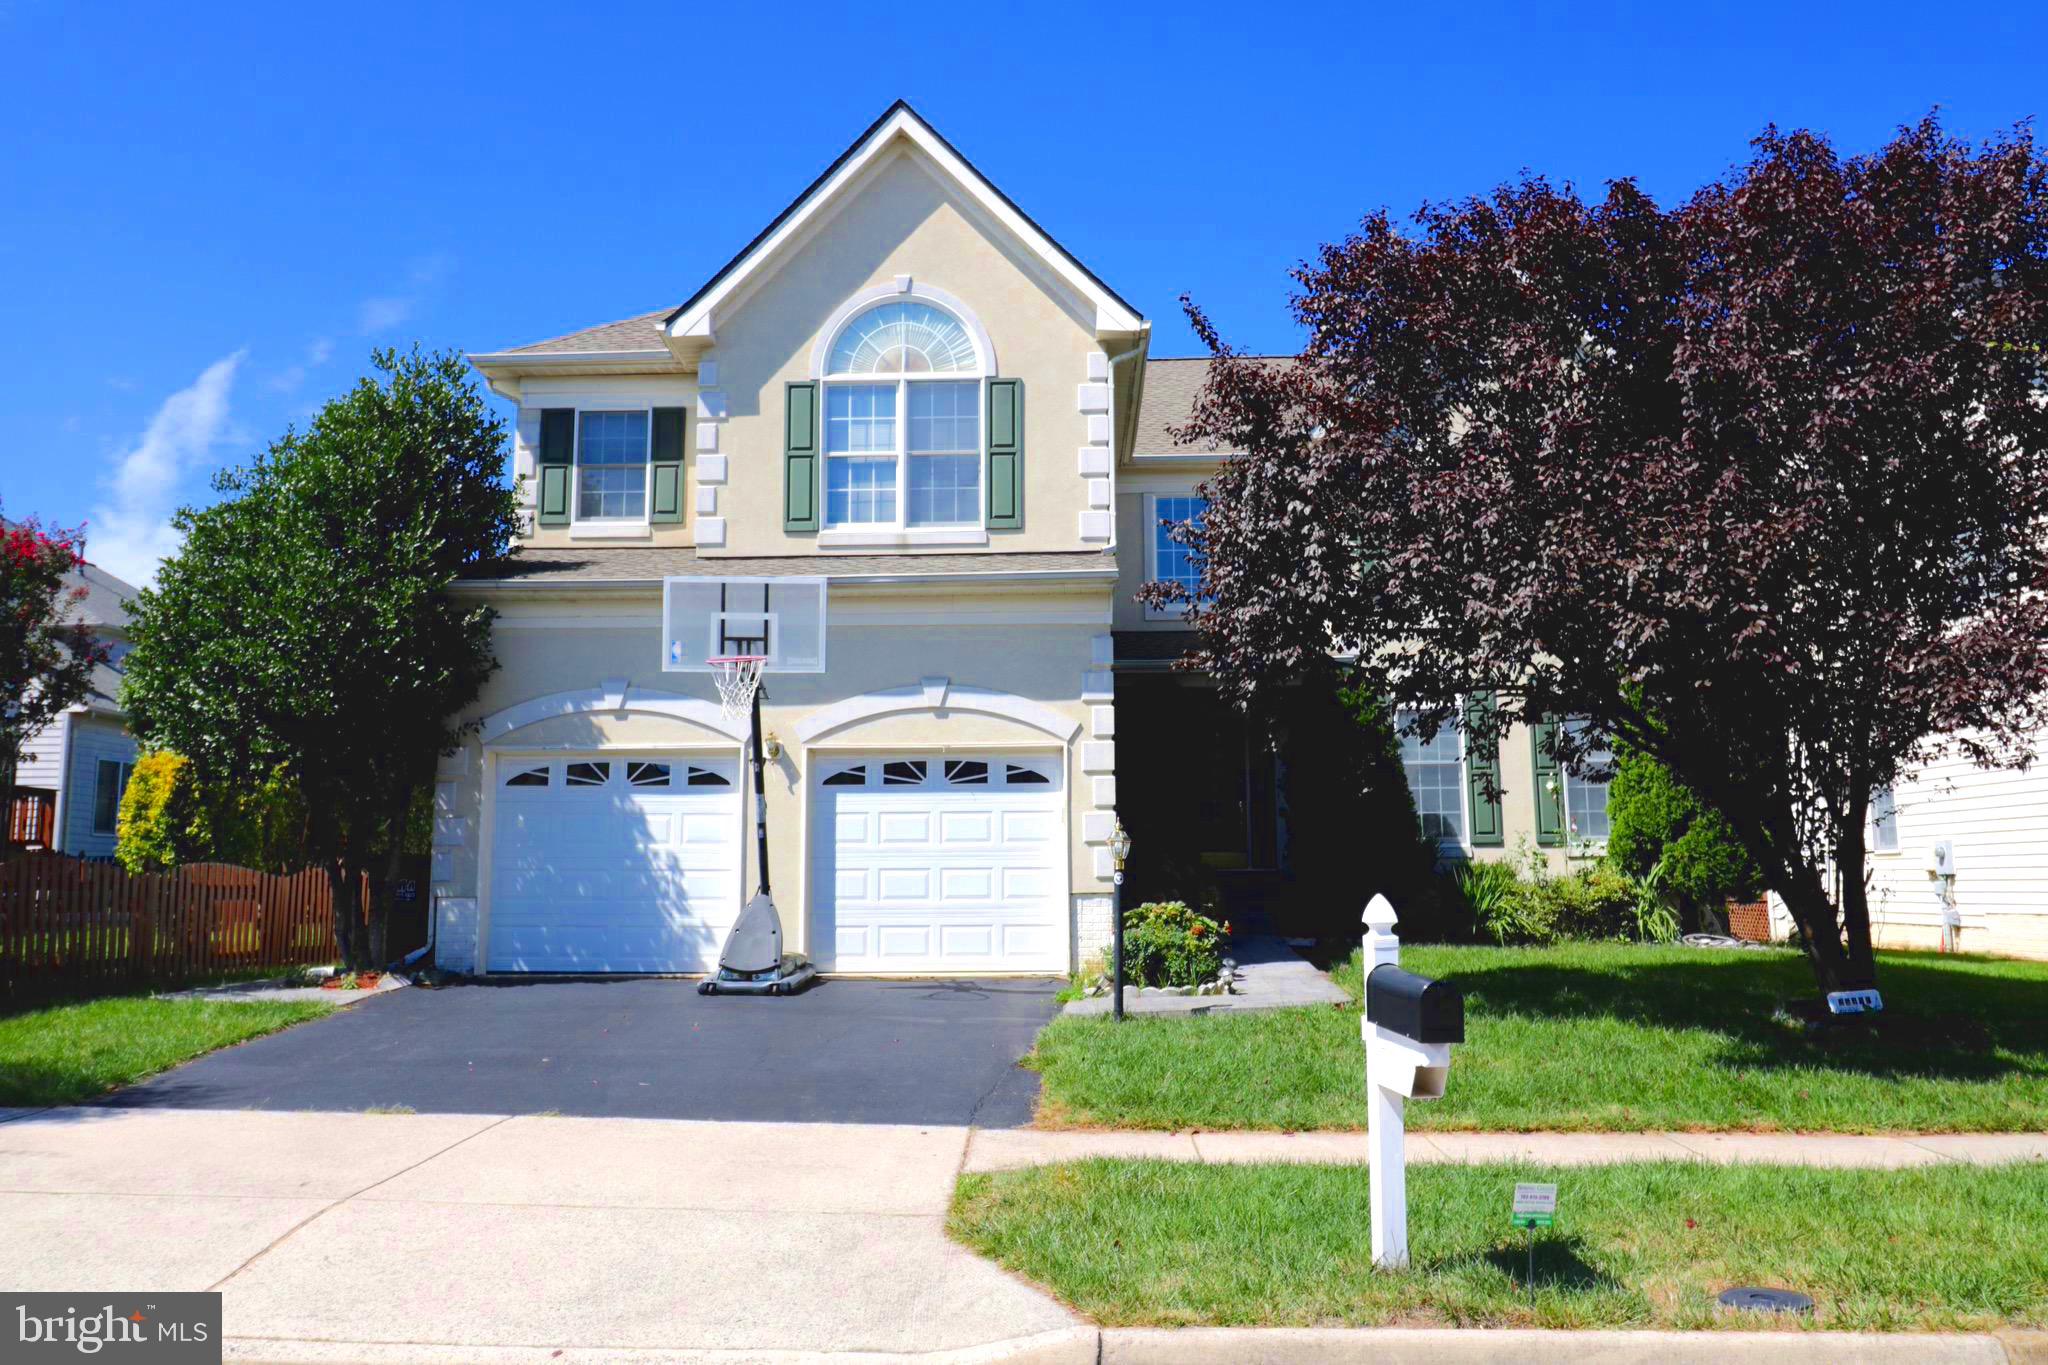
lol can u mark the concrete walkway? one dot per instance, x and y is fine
(1018, 1147)
(445, 1237)
(1270, 976)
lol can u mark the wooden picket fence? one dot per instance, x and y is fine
(70, 928)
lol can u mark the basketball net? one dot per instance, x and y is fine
(737, 675)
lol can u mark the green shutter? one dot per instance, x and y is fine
(800, 456)
(1005, 454)
(665, 476)
(1482, 771)
(1548, 784)
(557, 463)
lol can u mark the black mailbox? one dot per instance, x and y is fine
(1414, 1006)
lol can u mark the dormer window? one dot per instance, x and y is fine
(903, 421)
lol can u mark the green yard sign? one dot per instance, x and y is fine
(1535, 1206)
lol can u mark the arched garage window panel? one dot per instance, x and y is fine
(903, 402)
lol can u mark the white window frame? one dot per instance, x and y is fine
(1574, 845)
(978, 377)
(576, 517)
(1460, 847)
(1892, 850)
(1171, 611)
(125, 773)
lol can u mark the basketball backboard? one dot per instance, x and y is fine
(709, 618)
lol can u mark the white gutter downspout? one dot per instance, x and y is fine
(1115, 361)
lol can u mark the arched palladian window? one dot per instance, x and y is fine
(903, 420)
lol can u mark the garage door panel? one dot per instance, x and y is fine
(958, 884)
(904, 827)
(959, 871)
(623, 877)
(903, 883)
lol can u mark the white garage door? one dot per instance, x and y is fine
(613, 864)
(934, 864)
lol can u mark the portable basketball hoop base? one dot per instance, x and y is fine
(752, 962)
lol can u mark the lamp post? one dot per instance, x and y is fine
(1119, 849)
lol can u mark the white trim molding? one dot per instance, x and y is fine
(919, 696)
(612, 697)
(903, 288)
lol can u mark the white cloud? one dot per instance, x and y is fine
(382, 314)
(130, 534)
(320, 351)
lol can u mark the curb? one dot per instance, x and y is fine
(1242, 1346)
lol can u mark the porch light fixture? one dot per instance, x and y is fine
(1119, 849)
(772, 747)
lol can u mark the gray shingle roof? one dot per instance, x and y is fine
(641, 333)
(1171, 384)
(646, 564)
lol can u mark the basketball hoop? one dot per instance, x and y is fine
(737, 675)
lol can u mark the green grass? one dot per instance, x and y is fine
(1607, 1037)
(1134, 1243)
(69, 1053)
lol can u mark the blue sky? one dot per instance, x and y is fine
(209, 218)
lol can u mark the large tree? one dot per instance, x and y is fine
(306, 623)
(46, 654)
(1758, 484)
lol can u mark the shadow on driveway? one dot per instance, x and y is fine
(938, 1052)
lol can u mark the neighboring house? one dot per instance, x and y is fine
(922, 437)
(1995, 822)
(72, 773)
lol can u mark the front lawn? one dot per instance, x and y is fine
(1133, 1243)
(69, 1053)
(1611, 1037)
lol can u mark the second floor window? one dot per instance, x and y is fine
(1173, 562)
(902, 428)
(611, 466)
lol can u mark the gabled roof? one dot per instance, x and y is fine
(639, 333)
(1172, 383)
(693, 318)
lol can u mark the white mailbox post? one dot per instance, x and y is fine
(1409, 1024)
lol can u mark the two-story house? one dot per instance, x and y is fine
(73, 772)
(910, 447)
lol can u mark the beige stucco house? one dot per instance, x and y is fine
(925, 439)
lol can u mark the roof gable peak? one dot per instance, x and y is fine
(689, 329)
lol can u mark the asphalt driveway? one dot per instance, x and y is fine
(907, 1052)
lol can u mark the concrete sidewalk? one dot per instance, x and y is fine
(1009, 1149)
(421, 1237)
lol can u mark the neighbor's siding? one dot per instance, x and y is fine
(92, 740)
(1998, 822)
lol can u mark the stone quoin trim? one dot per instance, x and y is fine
(711, 455)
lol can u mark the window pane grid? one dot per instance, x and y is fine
(1172, 561)
(1585, 801)
(1436, 776)
(611, 465)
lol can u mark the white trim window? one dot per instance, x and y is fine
(1435, 769)
(1884, 821)
(1167, 560)
(903, 421)
(110, 784)
(1585, 800)
(613, 451)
